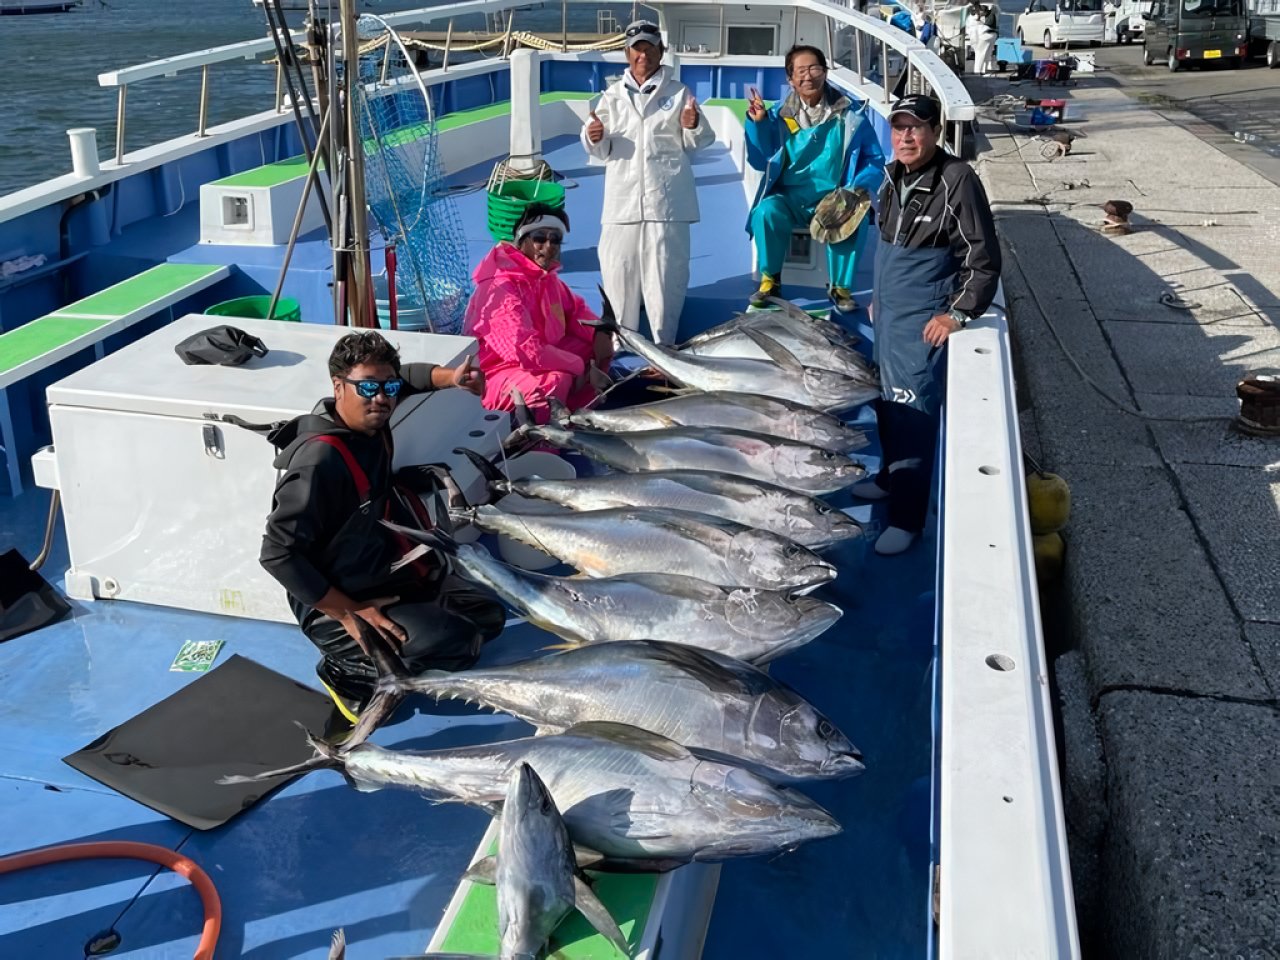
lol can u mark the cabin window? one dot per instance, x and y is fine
(1211, 8)
(751, 41)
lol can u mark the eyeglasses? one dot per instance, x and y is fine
(646, 28)
(554, 239)
(812, 70)
(908, 129)
(371, 388)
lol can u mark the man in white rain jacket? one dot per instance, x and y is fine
(645, 127)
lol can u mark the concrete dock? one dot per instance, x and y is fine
(1129, 349)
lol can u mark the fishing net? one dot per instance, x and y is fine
(404, 185)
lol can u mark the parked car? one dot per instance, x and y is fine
(1182, 32)
(1064, 21)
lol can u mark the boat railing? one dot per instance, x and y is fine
(862, 45)
(1003, 885)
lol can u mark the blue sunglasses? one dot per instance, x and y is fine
(370, 388)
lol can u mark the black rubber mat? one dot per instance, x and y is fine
(240, 718)
(27, 601)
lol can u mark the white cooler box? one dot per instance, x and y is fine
(164, 506)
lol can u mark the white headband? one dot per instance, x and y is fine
(547, 220)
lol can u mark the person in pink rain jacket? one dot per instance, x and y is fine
(530, 324)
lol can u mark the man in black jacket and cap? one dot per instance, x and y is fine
(937, 268)
(326, 544)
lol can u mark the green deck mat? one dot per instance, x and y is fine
(628, 897)
(136, 292)
(737, 107)
(38, 337)
(269, 176)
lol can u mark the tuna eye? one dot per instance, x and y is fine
(825, 729)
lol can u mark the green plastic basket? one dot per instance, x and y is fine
(507, 203)
(256, 307)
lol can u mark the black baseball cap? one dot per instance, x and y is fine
(923, 108)
(642, 30)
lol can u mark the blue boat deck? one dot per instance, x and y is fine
(318, 855)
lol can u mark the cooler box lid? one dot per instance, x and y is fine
(149, 377)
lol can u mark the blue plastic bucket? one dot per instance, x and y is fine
(408, 316)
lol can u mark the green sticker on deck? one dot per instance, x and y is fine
(196, 656)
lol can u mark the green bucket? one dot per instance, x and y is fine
(508, 202)
(255, 308)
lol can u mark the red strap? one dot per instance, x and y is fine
(361, 480)
(358, 475)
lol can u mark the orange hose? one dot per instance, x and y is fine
(127, 849)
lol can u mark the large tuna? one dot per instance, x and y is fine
(749, 624)
(728, 411)
(713, 704)
(784, 463)
(640, 800)
(754, 503)
(607, 543)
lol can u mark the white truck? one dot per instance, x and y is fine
(1129, 22)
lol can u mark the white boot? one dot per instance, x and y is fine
(894, 540)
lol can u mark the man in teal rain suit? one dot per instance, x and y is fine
(811, 142)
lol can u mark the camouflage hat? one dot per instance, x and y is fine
(839, 214)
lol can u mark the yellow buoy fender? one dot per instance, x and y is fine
(1048, 501)
(1050, 552)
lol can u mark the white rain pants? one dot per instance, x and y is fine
(646, 263)
(984, 42)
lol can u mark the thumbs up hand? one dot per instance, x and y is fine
(595, 128)
(467, 378)
(689, 115)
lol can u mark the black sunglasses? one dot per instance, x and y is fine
(552, 238)
(642, 28)
(371, 388)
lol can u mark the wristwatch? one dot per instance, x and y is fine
(960, 317)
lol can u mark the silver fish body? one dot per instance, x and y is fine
(711, 703)
(535, 867)
(797, 516)
(824, 390)
(636, 798)
(749, 624)
(813, 350)
(606, 543)
(790, 318)
(730, 411)
(784, 463)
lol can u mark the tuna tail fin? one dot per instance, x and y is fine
(493, 477)
(455, 498)
(518, 437)
(327, 757)
(385, 660)
(608, 319)
(559, 412)
(338, 945)
(598, 915)
(520, 408)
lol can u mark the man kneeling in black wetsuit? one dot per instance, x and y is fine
(326, 544)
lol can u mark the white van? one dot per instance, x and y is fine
(1055, 22)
